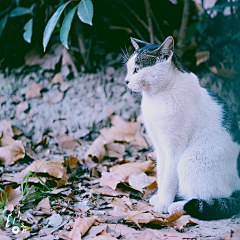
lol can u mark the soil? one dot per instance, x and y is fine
(82, 111)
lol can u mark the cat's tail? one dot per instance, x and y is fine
(214, 209)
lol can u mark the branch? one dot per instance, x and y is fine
(150, 27)
(143, 23)
(182, 32)
(158, 28)
(129, 22)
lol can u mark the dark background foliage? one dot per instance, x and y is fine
(194, 29)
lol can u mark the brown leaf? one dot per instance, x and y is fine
(139, 217)
(121, 130)
(97, 149)
(44, 206)
(110, 179)
(139, 181)
(144, 207)
(67, 142)
(5, 127)
(202, 57)
(80, 227)
(234, 234)
(58, 78)
(34, 91)
(176, 215)
(124, 202)
(115, 150)
(21, 107)
(127, 169)
(34, 56)
(12, 153)
(14, 196)
(224, 72)
(53, 168)
(3, 235)
(6, 139)
(16, 131)
(71, 162)
(56, 98)
(109, 111)
(63, 180)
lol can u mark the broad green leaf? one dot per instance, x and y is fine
(3, 24)
(19, 11)
(52, 24)
(27, 35)
(65, 29)
(85, 11)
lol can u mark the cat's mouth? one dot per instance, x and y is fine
(139, 87)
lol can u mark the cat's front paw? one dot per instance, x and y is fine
(159, 206)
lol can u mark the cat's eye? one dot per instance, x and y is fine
(136, 70)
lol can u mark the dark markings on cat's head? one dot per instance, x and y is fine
(148, 54)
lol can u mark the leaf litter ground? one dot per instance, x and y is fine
(49, 191)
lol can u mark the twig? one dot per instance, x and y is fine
(82, 44)
(158, 28)
(182, 31)
(150, 27)
(129, 22)
(143, 23)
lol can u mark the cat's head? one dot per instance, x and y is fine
(151, 66)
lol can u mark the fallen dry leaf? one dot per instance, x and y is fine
(115, 150)
(3, 235)
(121, 131)
(67, 142)
(176, 215)
(234, 234)
(63, 180)
(139, 181)
(5, 127)
(71, 162)
(202, 57)
(6, 139)
(14, 196)
(53, 168)
(56, 98)
(35, 91)
(97, 149)
(127, 169)
(12, 153)
(110, 179)
(58, 78)
(21, 107)
(16, 131)
(80, 227)
(44, 206)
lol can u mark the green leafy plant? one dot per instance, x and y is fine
(18, 12)
(84, 12)
(5, 202)
(26, 191)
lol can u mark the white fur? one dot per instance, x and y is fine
(196, 157)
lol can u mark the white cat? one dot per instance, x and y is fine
(195, 135)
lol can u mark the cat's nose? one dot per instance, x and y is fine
(127, 82)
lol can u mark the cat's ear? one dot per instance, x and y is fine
(138, 43)
(165, 48)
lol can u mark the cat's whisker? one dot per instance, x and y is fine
(125, 55)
